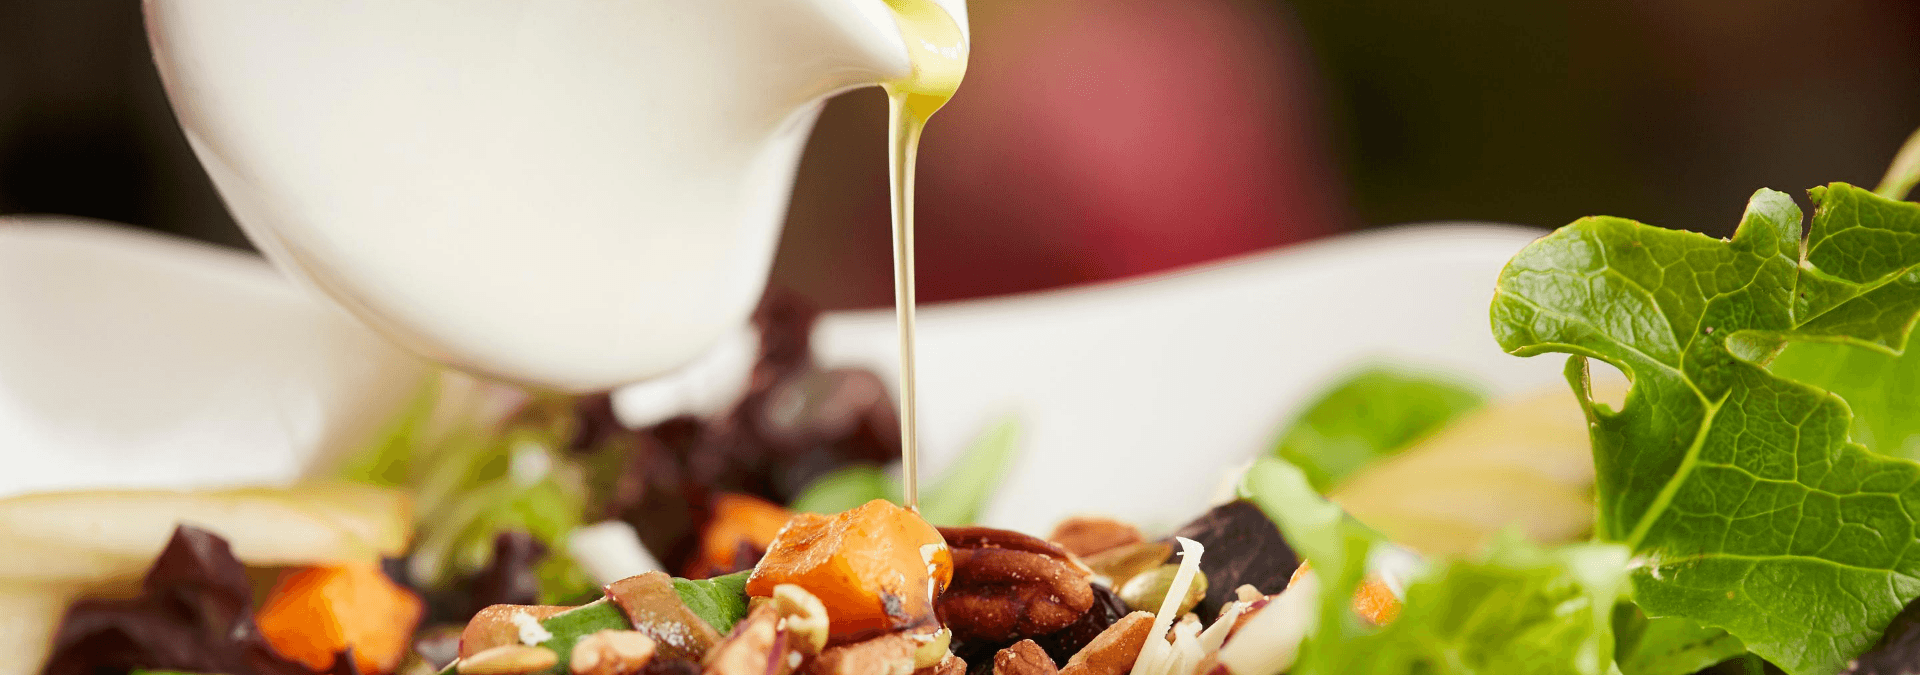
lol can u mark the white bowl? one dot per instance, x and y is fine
(1138, 399)
(128, 359)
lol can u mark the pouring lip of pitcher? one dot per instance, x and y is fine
(871, 29)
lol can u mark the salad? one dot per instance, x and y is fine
(1743, 505)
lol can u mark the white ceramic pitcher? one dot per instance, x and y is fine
(572, 194)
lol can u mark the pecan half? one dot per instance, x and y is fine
(1023, 658)
(1115, 650)
(1086, 535)
(1008, 586)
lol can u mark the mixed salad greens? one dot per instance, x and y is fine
(1746, 506)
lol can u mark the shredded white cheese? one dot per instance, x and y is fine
(531, 632)
(1185, 654)
(1216, 635)
(1154, 656)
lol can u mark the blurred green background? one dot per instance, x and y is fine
(1097, 139)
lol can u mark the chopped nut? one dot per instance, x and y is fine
(1008, 586)
(495, 626)
(805, 617)
(1023, 658)
(510, 659)
(611, 652)
(951, 665)
(757, 646)
(1086, 535)
(650, 602)
(1115, 650)
(931, 648)
(890, 654)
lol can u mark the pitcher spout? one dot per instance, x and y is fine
(848, 44)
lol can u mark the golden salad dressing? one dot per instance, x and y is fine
(937, 50)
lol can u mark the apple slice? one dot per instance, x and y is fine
(29, 614)
(102, 538)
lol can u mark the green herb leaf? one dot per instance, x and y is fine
(1372, 414)
(720, 601)
(388, 460)
(1667, 645)
(965, 488)
(845, 489)
(956, 499)
(1739, 489)
(570, 626)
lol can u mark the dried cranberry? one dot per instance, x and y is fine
(1064, 643)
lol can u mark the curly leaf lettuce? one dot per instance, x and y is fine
(1668, 645)
(1739, 490)
(1513, 608)
(1882, 389)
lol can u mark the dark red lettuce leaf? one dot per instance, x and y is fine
(194, 614)
(794, 423)
(509, 577)
(1243, 547)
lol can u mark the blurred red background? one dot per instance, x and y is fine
(1097, 139)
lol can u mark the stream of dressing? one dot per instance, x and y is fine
(937, 50)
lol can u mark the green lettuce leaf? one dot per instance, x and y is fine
(1514, 608)
(1372, 414)
(1883, 390)
(1667, 645)
(1324, 535)
(1738, 490)
(720, 601)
